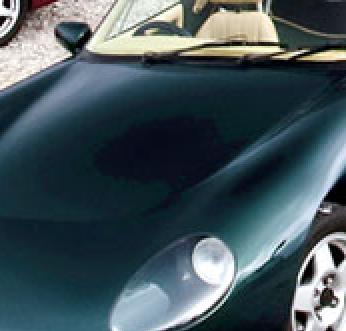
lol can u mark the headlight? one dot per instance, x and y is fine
(179, 287)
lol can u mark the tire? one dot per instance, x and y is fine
(9, 27)
(319, 302)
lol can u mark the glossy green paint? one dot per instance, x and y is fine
(105, 163)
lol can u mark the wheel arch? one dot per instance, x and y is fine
(337, 193)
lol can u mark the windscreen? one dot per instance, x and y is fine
(325, 16)
(237, 28)
(137, 11)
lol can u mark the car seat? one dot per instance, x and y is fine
(249, 25)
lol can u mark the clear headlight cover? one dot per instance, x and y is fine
(179, 287)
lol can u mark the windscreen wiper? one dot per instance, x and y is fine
(152, 57)
(317, 50)
(301, 52)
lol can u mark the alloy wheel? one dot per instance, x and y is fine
(319, 303)
(9, 14)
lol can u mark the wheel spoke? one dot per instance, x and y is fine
(324, 260)
(6, 12)
(340, 325)
(342, 274)
(313, 325)
(303, 299)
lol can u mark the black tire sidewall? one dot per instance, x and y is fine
(24, 7)
(324, 225)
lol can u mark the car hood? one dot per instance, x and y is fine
(103, 164)
(102, 141)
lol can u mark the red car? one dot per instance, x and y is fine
(12, 14)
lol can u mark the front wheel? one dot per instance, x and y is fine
(319, 303)
(12, 14)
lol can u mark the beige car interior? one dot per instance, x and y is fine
(174, 15)
(250, 25)
(245, 25)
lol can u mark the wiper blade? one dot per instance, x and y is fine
(317, 50)
(302, 52)
(152, 57)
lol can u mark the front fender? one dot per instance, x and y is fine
(264, 203)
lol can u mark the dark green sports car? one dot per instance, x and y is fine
(184, 169)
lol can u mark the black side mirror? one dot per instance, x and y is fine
(73, 35)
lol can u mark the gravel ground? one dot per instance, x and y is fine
(35, 47)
